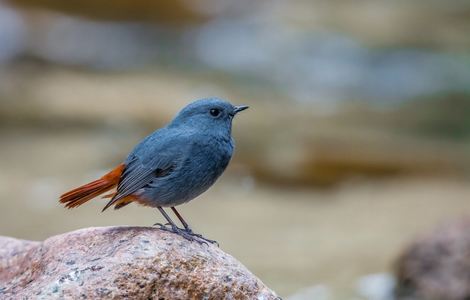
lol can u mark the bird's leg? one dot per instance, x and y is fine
(185, 225)
(177, 230)
(161, 225)
(188, 229)
(168, 219)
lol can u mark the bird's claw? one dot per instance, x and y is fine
(183, 233)
(199, 236)
(186, 233)
(162, 226)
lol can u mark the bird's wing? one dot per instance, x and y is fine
(142, 168)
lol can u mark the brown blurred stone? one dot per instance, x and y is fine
(437, 266)
(122, 263)
(176, 12)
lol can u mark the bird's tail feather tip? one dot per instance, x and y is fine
(84, 193)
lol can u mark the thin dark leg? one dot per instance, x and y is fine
(175, 229)
(167, 217)
(185, 225)
(188, 229)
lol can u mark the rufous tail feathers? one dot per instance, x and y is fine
(84, 193)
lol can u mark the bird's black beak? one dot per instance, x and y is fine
(239, 108)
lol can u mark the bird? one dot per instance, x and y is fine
(171, 166)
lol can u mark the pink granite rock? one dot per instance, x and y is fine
(437, 265)
(122, 262)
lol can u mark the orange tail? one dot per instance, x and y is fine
(93, 189)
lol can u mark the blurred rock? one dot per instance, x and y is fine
(331, 160)
(123, 262)
(437, 265)
(177, 12)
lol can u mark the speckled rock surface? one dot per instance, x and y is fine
(437, 265)
(122, 263)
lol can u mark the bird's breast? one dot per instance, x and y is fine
(203, 164)
(210, 158)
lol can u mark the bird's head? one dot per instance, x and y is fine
(210, 115)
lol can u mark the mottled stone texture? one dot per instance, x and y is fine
(122, 263)
(437, 266)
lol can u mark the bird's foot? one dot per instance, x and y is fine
(199, 236)
(185, 233)
(162, 226)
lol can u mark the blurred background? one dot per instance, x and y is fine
(355, 143)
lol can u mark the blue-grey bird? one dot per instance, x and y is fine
(171, 166)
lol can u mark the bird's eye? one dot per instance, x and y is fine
(214, 112)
